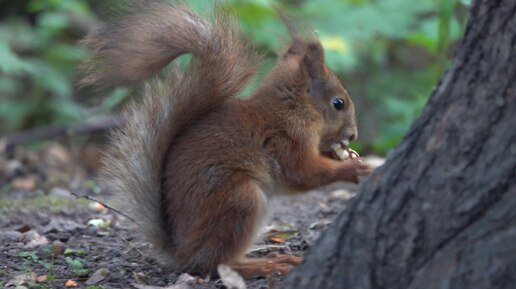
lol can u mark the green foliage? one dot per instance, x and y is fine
(37, 62)
(32, 257)
(389, 54)
(77, 266)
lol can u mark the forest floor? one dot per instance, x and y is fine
(49, 238)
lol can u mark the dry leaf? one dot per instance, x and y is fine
(19, 280)
(42, 278)
(24, 183)
(70, 283)
(276, 239)
(285, 235)
(23, 228)
(98, 276)
(33, 239)
(279, 232)
(140, 278)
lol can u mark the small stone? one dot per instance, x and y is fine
(58, 248)
(10, 236)
(91, 231)
(58, 225)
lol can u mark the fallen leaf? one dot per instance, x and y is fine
(23, 228)
(70, 283)
(20, 280)
(33, 239)
(279, 226)
(281, 236)
(98, 276)
(276, 239)
(70, 251)
(230, 278)
(77, 266)
(24, 183)
(279, 232)
(140, 278)
(42, 279)
(57, 155)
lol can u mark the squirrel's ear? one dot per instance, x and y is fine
(297, 47)
(313, 60)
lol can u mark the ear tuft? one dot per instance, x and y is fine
(296, 48)
(314, 60)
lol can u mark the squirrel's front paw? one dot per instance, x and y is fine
(351, 170)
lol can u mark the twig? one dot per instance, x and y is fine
(132, 246)
(8, 142)
(105, 205)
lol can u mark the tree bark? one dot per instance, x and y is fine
(441, 212)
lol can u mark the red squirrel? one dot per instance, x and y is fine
(196, 166)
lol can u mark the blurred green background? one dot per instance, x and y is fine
(389, 54)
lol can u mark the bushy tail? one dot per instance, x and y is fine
(133, 48)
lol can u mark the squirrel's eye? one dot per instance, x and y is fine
(338, 103)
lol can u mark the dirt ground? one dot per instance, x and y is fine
(49, 238)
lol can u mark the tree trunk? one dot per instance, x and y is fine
(441, 212)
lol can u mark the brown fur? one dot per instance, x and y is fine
(198, 167)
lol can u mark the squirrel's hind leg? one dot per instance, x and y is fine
(222, 229)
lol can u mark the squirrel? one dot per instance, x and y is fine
(198, 167)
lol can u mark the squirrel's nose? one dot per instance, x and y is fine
(353, 137)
